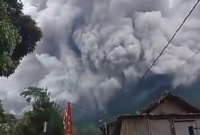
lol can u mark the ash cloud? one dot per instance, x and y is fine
(94, 51)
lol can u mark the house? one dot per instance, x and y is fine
(169, 115)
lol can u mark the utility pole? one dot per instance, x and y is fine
(106, 128)
(106, 124)
(45, 128)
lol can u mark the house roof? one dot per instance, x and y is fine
(115, 125)
(193, 112)
(173, 98)
(160, 116)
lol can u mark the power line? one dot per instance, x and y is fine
(188, 60)
(92, 111)
(184, 64)
(86, 109)
(168, 43)
(97, 114)
(187, 79)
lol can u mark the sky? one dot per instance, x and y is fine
(94, 51)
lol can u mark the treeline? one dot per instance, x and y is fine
(43, 109)
(32, 122)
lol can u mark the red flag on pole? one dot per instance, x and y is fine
(67, 120)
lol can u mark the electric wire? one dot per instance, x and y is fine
(141, 79)
(187, 79)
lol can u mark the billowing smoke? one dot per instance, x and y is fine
(94, 51)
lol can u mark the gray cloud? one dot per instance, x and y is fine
(94, 49)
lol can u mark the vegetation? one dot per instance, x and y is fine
(18, 35)
(43, 109)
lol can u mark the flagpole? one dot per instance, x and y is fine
(67, 120)
(70, 119)
(103, 123)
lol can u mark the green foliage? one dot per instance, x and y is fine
(18, 35)
(9, 38)
(23, 126)
(44, 109)
(2, 113)
(55, 125)
(6, 122)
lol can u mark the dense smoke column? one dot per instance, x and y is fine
(94, 51)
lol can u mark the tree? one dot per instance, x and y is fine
(55, 125)
(2, 118)
(23, 126)
(2, 113)
(7, 121)
(43, 109)
(9, 37)
(19, 35)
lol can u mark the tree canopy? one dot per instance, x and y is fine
(19, 35)
(43, 109)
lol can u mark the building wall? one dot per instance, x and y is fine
(145, 126)
(160, 127)
(135, 127)
(168, 108)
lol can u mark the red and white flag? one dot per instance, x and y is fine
(67, 120)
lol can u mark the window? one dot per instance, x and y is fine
(181, 126)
